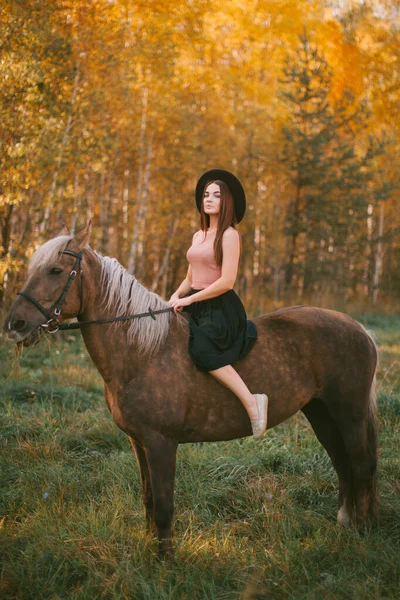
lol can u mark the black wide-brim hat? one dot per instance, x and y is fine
(233, 183)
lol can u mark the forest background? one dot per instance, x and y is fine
(112, 109)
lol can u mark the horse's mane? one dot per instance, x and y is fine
(126, 296)
(123, 295)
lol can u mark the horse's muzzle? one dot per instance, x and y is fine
(17, 331)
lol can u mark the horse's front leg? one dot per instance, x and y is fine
(161, 459)
(146, 484)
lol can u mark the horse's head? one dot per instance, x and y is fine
(50, 275)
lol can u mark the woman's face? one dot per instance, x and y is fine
(212, 199)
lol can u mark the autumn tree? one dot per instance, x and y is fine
(329, 169)
(114, 109)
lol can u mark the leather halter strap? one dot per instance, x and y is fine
(35, 303)
(55, 309)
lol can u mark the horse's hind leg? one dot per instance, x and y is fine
(146, 483)
(360, 440)
(161, 459)
(330, 437)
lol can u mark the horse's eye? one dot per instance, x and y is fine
(55, 271)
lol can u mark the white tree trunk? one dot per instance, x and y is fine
(163, 270)
(367, 253)
(52, 191)
(139, 186)
(378, 257)
(144, 204)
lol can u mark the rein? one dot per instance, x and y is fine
(53, 324)
(151, 313)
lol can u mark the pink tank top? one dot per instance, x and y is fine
(202, 260)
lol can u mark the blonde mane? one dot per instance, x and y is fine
(126, 296)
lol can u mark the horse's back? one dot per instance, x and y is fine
(326, 342)
(312, 319)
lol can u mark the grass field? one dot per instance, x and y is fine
(253, 520)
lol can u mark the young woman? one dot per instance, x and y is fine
(220, 333)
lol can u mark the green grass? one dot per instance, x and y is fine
(253, 520)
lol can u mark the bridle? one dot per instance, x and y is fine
(54, 311)
(53, 324)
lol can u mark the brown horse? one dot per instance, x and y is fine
(319, 361)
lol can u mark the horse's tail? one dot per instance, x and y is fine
(372, 427)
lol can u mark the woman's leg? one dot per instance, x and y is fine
(232, 380)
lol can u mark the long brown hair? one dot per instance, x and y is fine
(226, 217)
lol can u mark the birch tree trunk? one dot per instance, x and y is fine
(144, 207)
(5, 222)
(107, 204)
(125, 207)
(49, 203)
(367, 254)
(102, 198)
(5, 214)
(378, 257)
(293, 240)
(163, 270)
(76, 201)
(139, 186)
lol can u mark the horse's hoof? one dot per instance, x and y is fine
(343, 517)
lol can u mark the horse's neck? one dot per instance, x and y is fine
(106, 343)
(116, 359)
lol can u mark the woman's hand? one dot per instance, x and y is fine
(178, 303)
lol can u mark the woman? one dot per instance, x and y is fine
(220, 333)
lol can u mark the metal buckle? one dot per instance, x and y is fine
(73, 274)
(52, 325)
(57, 312)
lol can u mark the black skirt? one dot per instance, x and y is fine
(220, 333)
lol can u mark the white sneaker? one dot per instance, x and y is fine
(259, 425)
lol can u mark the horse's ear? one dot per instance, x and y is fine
(82, 238)
(64, 230)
